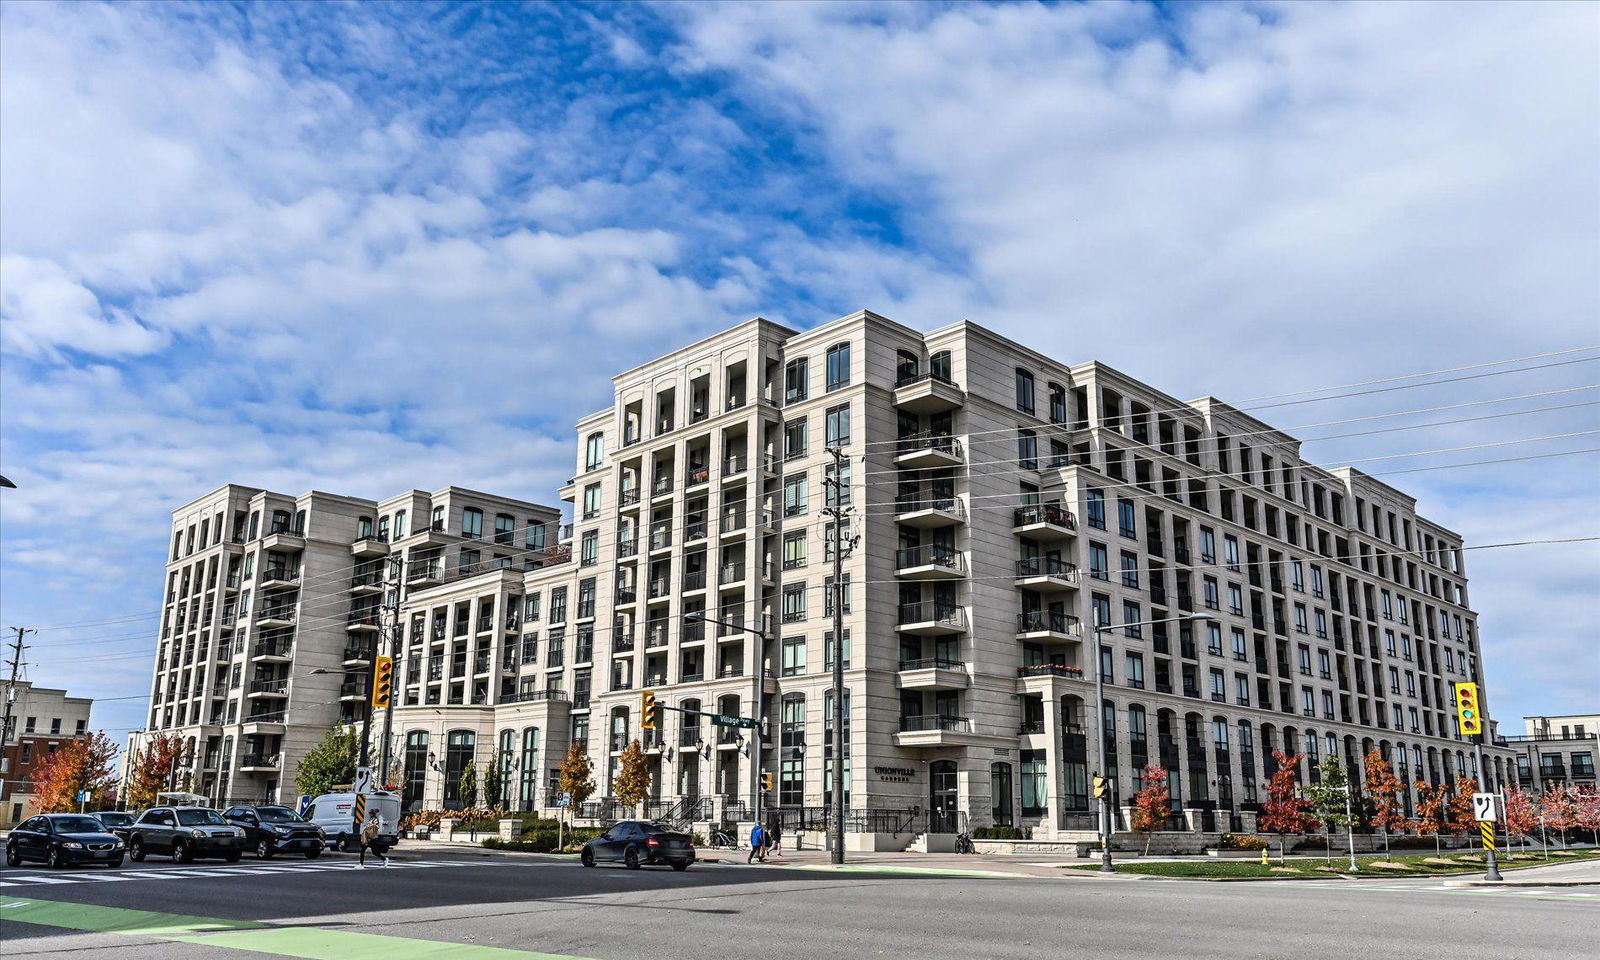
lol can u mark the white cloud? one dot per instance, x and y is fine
(45, 310)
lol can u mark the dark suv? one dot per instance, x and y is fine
(271, 830)
(185, 833)
(116, 821)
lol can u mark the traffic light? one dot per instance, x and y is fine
(1102, 788)
(648, 710)
(766, 781)
(382, 682)
(1469, 716)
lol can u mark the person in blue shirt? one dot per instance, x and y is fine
(758, 844)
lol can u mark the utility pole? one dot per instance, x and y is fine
(397, 567)
(836, 512)
(17, 646)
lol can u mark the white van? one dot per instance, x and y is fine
(335, 814)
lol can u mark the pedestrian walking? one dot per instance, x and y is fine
(758, 844)
(775, 839)
(369, 836)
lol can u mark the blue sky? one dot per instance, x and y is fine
(368, 247)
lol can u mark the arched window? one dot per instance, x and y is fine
(689, 723)
(907, 366)
(458, 750)
(838, 366)
(505, 764)
(530, 768)
(940, 367)
(1000, 794)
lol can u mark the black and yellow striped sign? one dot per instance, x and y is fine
(361, 811)
(1486, 828)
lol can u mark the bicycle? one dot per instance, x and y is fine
(964, 844)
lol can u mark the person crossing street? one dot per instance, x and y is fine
(369, 836)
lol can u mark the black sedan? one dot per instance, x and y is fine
(273, 830)
(636, 843)
(62, 838)
(115, 821)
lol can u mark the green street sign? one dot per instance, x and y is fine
(725, 720)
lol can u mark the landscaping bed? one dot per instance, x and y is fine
(1316, 868)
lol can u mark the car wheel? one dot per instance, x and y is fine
(52, 859)
(264, 849)
(233, 856)
(586, 857)
(680, 865)
(313, 853)
(631, 858)
(13, 858)
(180, 852)
(136, 850)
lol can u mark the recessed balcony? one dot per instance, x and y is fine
(1047, 625)
(362, 623)
(931, 619)
(279, 616)
(1046, 574)
(272, 651)
(1044, 521)
(936, 730)
(260, 761)
(265, 689)
(926, 451)
(932, 674)
(930, 562)
(424, 572)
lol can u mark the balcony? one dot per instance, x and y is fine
(1046, 574)
(271, 721)
(927, 393)
(695, 476)
(932, 674)
(731, 575)
(735, 467)
(353, 690)
(260, 761)
(925, 451)
(536, 696)
(661, 488)
(694, 580)
(424, 572)
(628, 499)
(1050, 670)
(1044, 521)
(265, 688)
(931, 619)
(367, 583)
(370, 546)
(362, 622)
(696, 530)
(936, 730)
(281, 615)
(356, 654)
(928, 512)
(930, 561)
(284, 538)
(627, 549)
(1047, 625)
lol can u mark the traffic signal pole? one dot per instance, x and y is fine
(1100, 756)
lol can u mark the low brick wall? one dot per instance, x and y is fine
(1183, 843)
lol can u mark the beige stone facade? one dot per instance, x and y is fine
(1003, 503)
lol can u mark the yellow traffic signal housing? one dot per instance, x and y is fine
(382, 682)
(766, 781)
(1469, 715)
(648, 710)
(1102, 786)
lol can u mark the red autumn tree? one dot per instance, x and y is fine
(153, 768)
(1522, 815)
(1151, 804)
(1430, 811)
(82, 763)
(1560, 811)
(1586, 811)
(1285, 810)
(1383, 789)
(1461, 821)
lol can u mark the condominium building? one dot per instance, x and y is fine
(1004, 506)
(274, 606)
(1556, 751)
(42, 720)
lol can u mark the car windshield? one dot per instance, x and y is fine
(77, 825)
(278, 815)
(115, 819)
(194, 818)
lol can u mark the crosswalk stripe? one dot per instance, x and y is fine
(241, 870)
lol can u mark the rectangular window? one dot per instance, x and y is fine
(794, 656)
(1134, 675)
(591, 505)
(827, 659)
(794, 439)
(1027, 450)
(1126, 524)
(594, 450)
(1214, 639)
(837, 427)
(1099, 566)
(1130, 615)
(794, 603)
(1095, 508)
(1058, 403)
(589, 548)
(794, 550)
(794, 495)
(1130, 570)
(835, 494)
(838, 366)
(472, 523)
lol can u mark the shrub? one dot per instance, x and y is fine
(1233, 841)
(999, 833)
(543, 841)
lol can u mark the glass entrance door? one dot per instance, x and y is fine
(942, 814)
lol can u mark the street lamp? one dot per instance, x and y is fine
(1100, 725)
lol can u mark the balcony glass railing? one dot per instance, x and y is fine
(1052, 621)
(935, 722)
(1053, 514)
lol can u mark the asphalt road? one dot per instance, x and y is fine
(492, 907)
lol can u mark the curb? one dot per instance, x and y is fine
(1522, 883)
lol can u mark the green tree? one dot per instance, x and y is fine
(494, 778)
(632, 785)
(469, 785)
(330, 763)
(1329, 798)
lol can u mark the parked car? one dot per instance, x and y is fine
(637, 843)
(185, 833)
(58, 839)
(274, 830)
(116, 821)
(335, 814)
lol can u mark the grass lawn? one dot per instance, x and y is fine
(1411, 865)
